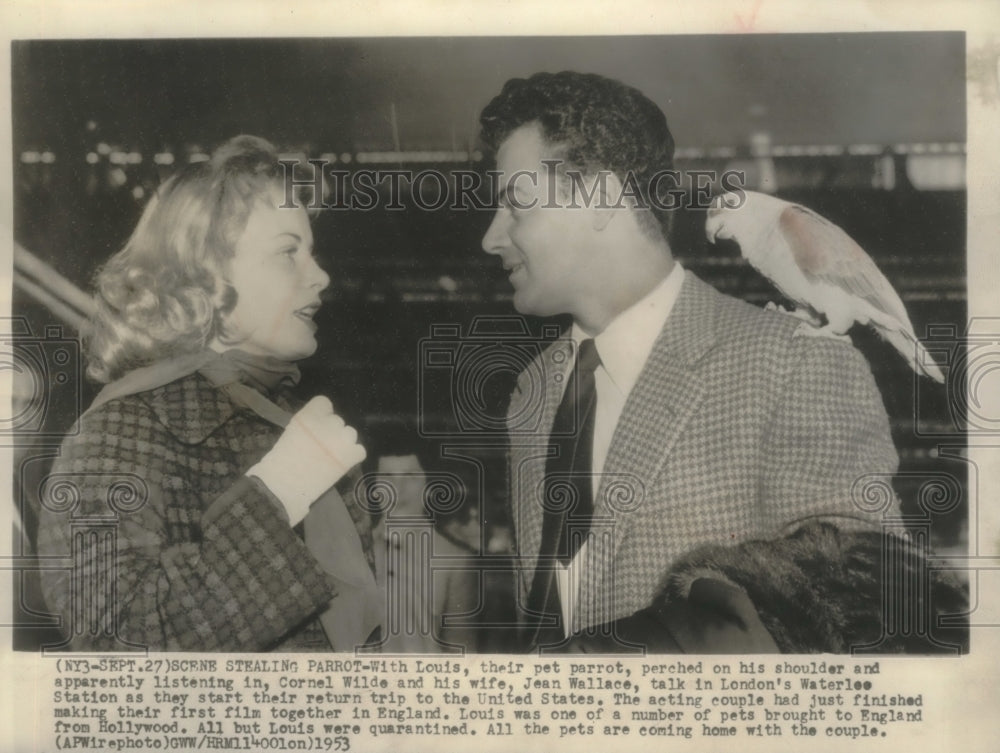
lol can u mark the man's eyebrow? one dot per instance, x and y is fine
(508, 191)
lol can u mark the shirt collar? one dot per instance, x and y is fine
(625, 344)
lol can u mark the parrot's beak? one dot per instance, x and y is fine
(711, 229)
(727, 200)
(714, 225)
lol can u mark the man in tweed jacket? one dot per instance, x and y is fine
(716, 422)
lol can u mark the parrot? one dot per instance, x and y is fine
(816, 264)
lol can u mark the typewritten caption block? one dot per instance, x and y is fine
(342, 703)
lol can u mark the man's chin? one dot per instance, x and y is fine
(530, 306)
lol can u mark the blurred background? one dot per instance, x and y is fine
(867, 129)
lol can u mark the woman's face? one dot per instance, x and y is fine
(277, 283)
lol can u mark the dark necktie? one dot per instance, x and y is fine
(568, 502)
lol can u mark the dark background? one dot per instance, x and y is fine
(866, 98)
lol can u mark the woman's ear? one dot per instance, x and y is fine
(223, 303)
(225, 298)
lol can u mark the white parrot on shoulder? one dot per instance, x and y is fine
(816, 264)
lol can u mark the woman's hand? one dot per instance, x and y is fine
(314, 452)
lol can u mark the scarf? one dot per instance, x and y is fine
(331, 534)
(265, 375)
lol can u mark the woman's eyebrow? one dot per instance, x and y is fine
(298, 239)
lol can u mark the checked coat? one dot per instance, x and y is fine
(203, 557)
(741, 426)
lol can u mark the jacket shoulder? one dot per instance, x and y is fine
(774, 333)
(188, 409)
(739, 319)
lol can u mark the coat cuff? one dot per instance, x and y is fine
(247, 525)
(244, 486)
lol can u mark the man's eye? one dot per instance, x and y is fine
(511, 205)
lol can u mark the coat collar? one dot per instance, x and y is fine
(191, 408)
(668, 390)
(693, 326)
(656, 414)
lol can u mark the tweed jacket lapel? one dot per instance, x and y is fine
(656, 414)
(668, 388)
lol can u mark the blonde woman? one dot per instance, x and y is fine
(228, 532)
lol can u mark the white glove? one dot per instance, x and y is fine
(315, 451)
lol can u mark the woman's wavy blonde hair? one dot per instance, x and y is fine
(165, 293)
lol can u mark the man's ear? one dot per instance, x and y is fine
(609, 199)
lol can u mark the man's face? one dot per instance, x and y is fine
(544, 242)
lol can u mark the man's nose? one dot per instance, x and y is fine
(497, 238)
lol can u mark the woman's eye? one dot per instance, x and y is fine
(289, 252)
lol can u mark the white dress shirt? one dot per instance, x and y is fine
(624, 347)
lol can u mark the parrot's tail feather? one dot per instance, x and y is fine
(912, 350)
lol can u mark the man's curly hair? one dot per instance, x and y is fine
(593, 123)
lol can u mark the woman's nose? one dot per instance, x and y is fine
(316, 276)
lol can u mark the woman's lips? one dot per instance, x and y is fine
(306, 313)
